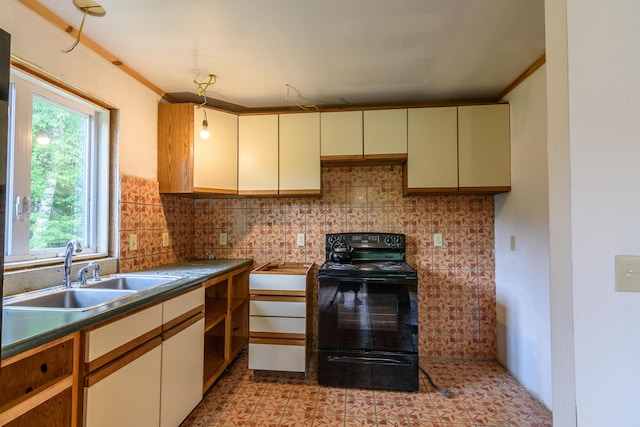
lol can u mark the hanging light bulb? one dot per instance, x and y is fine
(204, 132)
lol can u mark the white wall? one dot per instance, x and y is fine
(603, 110)
(522, 275)
(35, 40)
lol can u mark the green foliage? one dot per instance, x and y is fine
(57, 176)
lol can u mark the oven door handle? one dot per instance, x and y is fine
(369, 360)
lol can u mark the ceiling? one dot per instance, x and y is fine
(283, 53)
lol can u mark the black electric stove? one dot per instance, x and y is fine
(367, 313)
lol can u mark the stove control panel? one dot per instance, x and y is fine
(366, 240)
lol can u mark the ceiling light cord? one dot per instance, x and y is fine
(75, 43)
(202, 89)
(308, 107)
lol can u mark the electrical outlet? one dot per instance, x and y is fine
(223, 239)
(437, 239)
(301, 239)
(133, 242)
(165, 240)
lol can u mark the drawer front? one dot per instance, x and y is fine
(106, 338)
(283, 325)
(277, 357)
(39, 367)
(278, 308)
(281, 282)
(181, 304)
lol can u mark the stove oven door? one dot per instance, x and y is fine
(367, 333)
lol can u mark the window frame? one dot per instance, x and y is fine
(97, 157)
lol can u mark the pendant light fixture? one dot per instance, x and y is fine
(202, 88)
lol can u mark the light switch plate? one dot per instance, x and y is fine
(628, 273)
(512, 242)
(223, 239)
(301, 239)
(165, 240)
(437, 239)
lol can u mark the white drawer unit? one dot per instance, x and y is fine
(277, 357)
(261, 307)
(280, 317)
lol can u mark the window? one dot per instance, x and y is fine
(57, 177)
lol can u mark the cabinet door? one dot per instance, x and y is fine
(130, 396)
(182, 370)
(175, 148)
(385, 133)
(432, 161)
(215, 159)
(483, 148)
(299, 153)
(341, 135)
(258, 154)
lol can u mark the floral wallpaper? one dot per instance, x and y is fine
(456, 280)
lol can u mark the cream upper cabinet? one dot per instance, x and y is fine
(258, 154)
(385, 134)
(432, 161)
(189, 164)
(215, 159)
(299, 151)
(484, 148)
(341, 135)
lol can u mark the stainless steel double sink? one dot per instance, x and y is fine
(96, 293)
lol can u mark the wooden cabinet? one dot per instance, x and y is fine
(145, 369)
(341, 136)
(484, 148)
(385, 134)
(189, 164)
(39, 387)
(280, 317)
(432, 161)
(299, 153)
(258, 154)
(458, 150)
(226, 321)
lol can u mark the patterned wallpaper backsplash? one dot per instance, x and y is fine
(456, 281)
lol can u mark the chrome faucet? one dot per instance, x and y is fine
(84, 272)
(72, 246)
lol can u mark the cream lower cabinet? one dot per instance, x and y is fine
(299, 154)
(182, 364)
(145, 369)
(129, 396)
(125, 358)
(258, 154)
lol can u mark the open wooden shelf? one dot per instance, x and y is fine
(226, 321)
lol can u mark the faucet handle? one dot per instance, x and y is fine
(96, 270)
(82, 276)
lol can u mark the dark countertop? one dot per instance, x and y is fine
(24, 329)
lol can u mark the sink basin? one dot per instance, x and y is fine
(67, 299)
(131, 282)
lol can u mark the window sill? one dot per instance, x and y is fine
(29, 275)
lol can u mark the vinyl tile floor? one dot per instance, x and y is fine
(484, 395)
